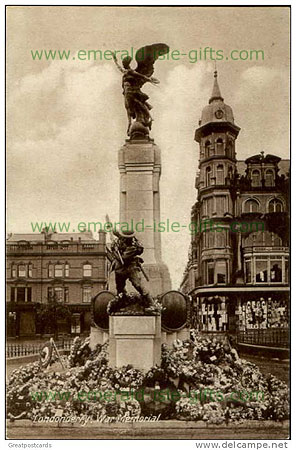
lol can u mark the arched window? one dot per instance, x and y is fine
(251, 206)
(207, 149)
(275, 205)
(269, 178)
(256, 179)
(220, 174)
(208, 176)
(219, 147)
(87, 270)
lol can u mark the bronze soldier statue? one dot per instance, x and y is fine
(126, 263)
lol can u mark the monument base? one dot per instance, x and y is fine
(97, 336)
(135, 340)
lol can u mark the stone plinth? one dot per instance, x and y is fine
(97, 336)
(139, 163)
(134, 340)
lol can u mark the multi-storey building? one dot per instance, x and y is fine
(238, 268)
(69, 266)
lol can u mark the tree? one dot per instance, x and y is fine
(49, 313)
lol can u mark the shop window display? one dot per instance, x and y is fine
(263, 314)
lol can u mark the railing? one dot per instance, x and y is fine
(272, 337)
(72, 247)
(15, 350)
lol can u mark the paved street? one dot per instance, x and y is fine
(170, 429)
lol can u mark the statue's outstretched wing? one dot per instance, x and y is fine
(146, 57)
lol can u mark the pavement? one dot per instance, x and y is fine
(166, 429)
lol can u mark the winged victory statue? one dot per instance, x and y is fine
(136, 101)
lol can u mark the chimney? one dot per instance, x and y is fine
(102, 236)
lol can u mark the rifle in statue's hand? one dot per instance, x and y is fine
(114, 244)
(139, 263)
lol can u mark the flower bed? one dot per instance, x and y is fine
(200, 379)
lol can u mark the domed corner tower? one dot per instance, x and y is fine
(216, 136)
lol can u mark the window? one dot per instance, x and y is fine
(220, 174)
(87, 270)
(86, 294)
(251, 206)
(58, 270)
(213, 315)
(29, 294)
(220, 205)
(22, 270)
(12, 294)
(261, 269)
(220, 239)
(210, 272)
(13, 271)
(229, 150)
(60, 294)
(268, 269)
(219, 146)
(30, 271)
(248, 271)
(50, 270)
(286, 270)
(275, 205)
(75, 324)
(21, 294)
(221, 272)
(269, 178)
(208, 176)
(263, 313)
(211, 239)
(275, 270)
(256, 179)
(207, 148)
(212, 151)
(208, 206)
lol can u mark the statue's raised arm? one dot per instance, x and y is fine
(137, 107)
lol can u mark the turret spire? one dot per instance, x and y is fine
(216, 94)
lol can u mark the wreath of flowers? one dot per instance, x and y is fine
(188, 366)
(133, 304)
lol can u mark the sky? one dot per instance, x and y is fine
(66, 120)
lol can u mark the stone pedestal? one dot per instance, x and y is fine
(140, 168)
(97, 336)
(135, 340)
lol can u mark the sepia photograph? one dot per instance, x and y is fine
(148, 224)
